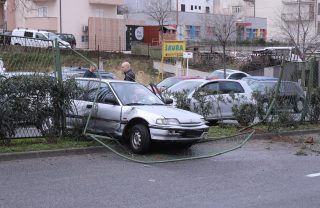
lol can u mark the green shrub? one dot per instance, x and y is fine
(244, 113)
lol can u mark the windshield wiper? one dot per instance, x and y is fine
(135, 104)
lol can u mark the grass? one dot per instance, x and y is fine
(36, 144)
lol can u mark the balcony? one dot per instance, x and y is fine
(297, 1)
(42, 23)
(107, 2)
(293, 17)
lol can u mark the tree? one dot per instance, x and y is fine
(221, 28)
(159, 11)
(298, 28)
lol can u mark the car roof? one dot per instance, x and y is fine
(106, 80)
(260, 78)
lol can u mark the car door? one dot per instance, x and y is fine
(41, 41)
(79, 112)
(107, 113)
(231, 92)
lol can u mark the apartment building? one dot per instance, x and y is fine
(2, 16)
(94, 23)
(274, 11)
(236, 7)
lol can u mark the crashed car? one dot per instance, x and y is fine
(130, 111)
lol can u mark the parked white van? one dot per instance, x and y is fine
(35, 38)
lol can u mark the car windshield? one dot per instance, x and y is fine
(216, 74)
(135, 94)
(262, 86)
(52, 36)
(187, 86)
(168, 82)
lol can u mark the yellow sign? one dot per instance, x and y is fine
(173, 48)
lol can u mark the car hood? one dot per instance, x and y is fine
(170, 112)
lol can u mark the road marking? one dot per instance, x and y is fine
(313, 175)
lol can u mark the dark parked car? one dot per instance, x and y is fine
(68, 38)
(5, 38)
(290, 94)
(73, 72)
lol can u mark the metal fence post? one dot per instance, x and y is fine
(57, 62)
(305, 110)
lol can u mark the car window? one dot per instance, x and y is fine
(168, 82)
(216, 74)
(40, 36)
(211, 88)
(28, 34)
(237, 76)
(187, 86)
(230, 87)
(104, 93)
(135, 94)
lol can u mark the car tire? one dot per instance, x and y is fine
(298, 105)
(263, 109)
(139, 139)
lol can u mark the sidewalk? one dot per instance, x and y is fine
(172, 69)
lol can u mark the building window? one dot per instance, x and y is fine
(236, 9)
(318, 28)
(199, 7)
(43, 12)
(191, 7)
(99, 13)
(192, 32)
(311, 11)
(84, 38)
(183, 7)
(208, 10)
(195, 7)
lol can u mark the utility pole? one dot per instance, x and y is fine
(299, 21)
(177, 17)
(254, 8)
(60, 16)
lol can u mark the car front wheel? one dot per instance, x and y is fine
(139, 138)
(298, 106)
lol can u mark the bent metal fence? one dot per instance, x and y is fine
(32, 94)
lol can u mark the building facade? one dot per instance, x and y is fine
(94, 23)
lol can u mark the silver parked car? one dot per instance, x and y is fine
(129, 110)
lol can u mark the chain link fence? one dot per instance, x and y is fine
(33, 96)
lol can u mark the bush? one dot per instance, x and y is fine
(315, 106)
(244, 113)
(34, 100)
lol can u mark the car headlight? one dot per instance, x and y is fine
(167, 121)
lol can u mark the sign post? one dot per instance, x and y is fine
(187, 55)
(172, 49)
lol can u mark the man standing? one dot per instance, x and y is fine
(128, 73)
(91, 72)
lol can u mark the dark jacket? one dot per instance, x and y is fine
(130, 76)
(88, 73)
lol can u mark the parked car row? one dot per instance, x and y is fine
(36, 38)
(221, 94)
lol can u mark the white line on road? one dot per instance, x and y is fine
(313, 175)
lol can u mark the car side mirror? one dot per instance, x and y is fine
(168, 101)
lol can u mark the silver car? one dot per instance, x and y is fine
(129, 110)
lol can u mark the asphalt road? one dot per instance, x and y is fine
(261, 174)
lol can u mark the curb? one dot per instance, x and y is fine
(91, 150)
(50, 153)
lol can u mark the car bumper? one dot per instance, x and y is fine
(162, 133)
